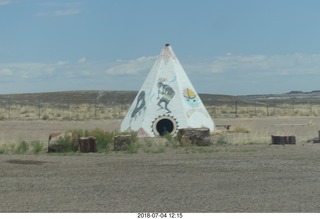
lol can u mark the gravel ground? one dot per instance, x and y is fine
(243, 178)
(253, 178)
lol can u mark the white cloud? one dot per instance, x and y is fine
(231, 74)
(61, 63)
(291, 64)
(28, 70)
(132, 67)
(4, 72)
(255, 74)
(60, 9)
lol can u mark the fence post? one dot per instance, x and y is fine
(39, 108)
(9, 108)
(236, 110)
(293, 106)
(255, 108)
(68, 109)
(95, 108)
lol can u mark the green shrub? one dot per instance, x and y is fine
(240, 130)
(45, 117)
(158, 149)
(104, 139)
(172, 140)
(11, 147)
(134, 146)
(153, 145)
(221, 140)
(8, 148)
(22, 147)
(37, 146)
(66, 144)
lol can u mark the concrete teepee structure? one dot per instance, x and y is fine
(167, 101)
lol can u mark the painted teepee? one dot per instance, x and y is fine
(167, 101)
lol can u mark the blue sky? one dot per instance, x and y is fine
(235, 47)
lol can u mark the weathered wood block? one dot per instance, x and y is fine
(121, 142)
(195, 136)
(88, 144)
(283, 139)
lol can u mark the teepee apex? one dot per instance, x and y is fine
(167, 101)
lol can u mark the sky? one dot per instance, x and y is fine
(234, 47)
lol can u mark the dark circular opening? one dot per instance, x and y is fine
(164, 126)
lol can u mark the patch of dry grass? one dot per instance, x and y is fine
(256, 111)
(62, 112)
(21, 147)
(85, 111)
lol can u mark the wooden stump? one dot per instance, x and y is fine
(121, 142)
(195, 136)
(88, 144)
(283, 139)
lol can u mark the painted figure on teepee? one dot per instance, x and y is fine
(167, 101)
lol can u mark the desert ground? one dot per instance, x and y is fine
(243, 174)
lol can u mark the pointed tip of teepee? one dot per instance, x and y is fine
(167, 44)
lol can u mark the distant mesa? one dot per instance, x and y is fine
(301, 92)
(295, 92)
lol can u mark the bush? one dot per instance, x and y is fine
(240, 130)
(22, 147)
(134, 146)
(171, 140)
(45, 117)
(66, 144)
(104, 139)
(221, 140)
(153, 145)
(37, 146)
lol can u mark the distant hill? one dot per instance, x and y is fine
(297, 97)
(126, 97)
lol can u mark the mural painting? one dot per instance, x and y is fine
(165, 94)
(190, 97)
(141, 102)
(193, 100)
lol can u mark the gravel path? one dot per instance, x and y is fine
(251, 178)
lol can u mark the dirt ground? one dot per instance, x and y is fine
(232, 178)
